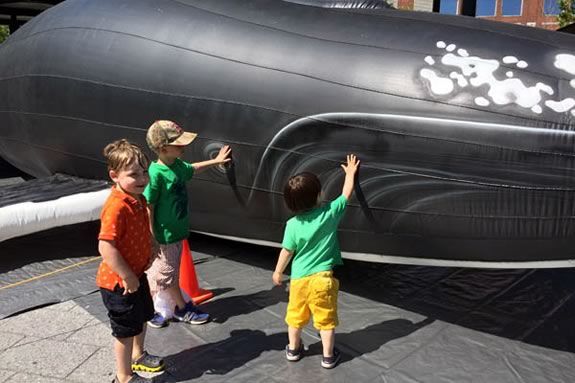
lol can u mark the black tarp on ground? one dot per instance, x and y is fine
(47, 267)
(398, 323)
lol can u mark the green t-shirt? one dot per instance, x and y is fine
(167, 193)
(312, 236)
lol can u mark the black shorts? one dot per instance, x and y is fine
(128, 313)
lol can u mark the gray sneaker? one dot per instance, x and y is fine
(294, 355)
(191, 314)
(331, 361)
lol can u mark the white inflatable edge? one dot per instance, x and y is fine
(30, 217)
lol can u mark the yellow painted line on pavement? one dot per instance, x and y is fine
(50, 273)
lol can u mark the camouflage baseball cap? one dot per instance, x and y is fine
(165, 132)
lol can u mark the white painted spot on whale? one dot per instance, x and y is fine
(462, 52)
(461, 80)
(560, 106)
(545, 88)
(565, 62)
(522, 64)
(510, 59)
(484, 74)
(439, 85)
(482, 101)
(502, 92)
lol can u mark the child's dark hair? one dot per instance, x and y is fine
(121, 154)
(301, 192)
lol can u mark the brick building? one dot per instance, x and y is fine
(416, 5)
(533, 13)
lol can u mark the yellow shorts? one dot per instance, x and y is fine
(314, 295)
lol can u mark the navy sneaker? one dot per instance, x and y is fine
(158, 321)
(331, 361)
(294, 355)
(191, 314)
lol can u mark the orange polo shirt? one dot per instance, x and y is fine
(124, 220)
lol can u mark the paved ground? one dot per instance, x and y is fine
(398, 324)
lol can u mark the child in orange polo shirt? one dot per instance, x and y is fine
(126, 248)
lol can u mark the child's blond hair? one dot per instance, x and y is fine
(121, 153)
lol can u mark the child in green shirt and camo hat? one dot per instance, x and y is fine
(168, 207)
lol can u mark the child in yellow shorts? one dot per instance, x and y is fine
(311, 238)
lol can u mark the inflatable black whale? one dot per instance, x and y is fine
(465, 127)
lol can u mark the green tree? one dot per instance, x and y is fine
(4, 32)
(566, 12)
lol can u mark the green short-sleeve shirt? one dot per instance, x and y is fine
(169, 197)
(312, 236)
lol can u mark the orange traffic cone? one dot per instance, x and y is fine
(188, 280)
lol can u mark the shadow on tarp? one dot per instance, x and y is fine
(226, 307)
(535, 306)
(9, 171)
(243, 346)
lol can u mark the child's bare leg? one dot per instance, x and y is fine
(138, 344)
(123, 353)
(327, 341)
(176, 294)
(294, 335)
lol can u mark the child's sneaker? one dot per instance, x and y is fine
(148, 363)
(158, 321)
(191, 314)
(331, 361)
(294, 355)
(135, 379)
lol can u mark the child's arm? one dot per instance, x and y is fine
(222, 157)
(155, 245)
(150, 208)
(114, 259)
(350, 169)
(283, 260)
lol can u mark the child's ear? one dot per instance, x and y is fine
(113, 175)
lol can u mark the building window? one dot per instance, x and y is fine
(551, 7)
(512, 7)
(485, 8)
(448, 7)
